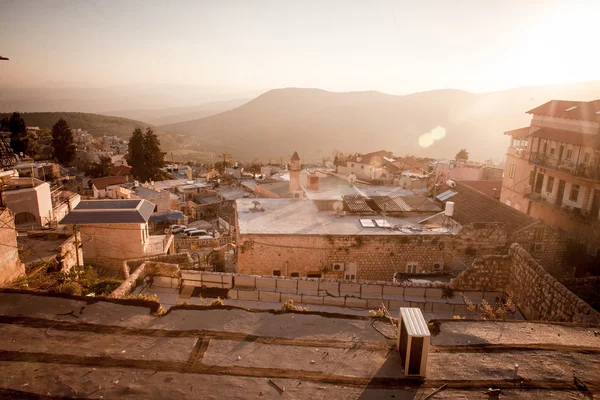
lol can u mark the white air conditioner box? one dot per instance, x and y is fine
(413, 341)
(337, 267)
(438, 266)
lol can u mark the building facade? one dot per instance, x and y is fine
(552, 170)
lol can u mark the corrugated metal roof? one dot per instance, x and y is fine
(110, 212)
(412, 318)
(356, 203)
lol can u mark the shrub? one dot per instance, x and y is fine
(105, 287)
(377, 314)
(289, 306)
(70, 288)
(217, 302)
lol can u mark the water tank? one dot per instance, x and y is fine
(449, 210)
(413, 341)
(451, 183)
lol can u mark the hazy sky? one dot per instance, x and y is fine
(391, 46)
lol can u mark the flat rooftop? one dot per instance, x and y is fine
(56, 347)
(302, 217)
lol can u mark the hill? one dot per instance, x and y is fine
(98, 125)
(177, 114)
(315, 122)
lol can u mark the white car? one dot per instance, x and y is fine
(177, 228)
(199, 234)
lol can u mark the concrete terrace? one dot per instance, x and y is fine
(89, 348)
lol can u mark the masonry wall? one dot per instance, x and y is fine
(11, 266)
(375, 257)
(538, 295)
(112, 241)
(67, 253)
(552, 254)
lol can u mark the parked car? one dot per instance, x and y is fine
(187, 230)
(177, 228)
(199, 235)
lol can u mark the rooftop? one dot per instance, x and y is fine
(103, 183)
(489, 188)
(22, 183)
(580, 110)
(302, 217)
(113, 350)
(473, 206)
(375, 158)
(109, 212)
(121, 170)
(577, 138)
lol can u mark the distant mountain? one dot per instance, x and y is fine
(315, 122)
(99, 125)
(178, 114)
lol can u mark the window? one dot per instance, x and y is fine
(277, 272)
(362, 167)
(586, 158)
(552, 151)
(511, 172)
(569, 154)
(411, 267)
(352, 165)
(538, 234)
(531, 178)
(574, 193)
(295, 275)
(549, 184)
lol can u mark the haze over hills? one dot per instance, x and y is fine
(315, 122)
(177, 114)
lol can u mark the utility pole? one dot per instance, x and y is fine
(76, 229)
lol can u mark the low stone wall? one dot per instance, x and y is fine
(487, 273)
(540, 296)
(364, 294)
(147, 268)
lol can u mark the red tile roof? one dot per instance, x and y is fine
(486, 187)
(521, 132)
(102, 183)
(121, 170)
(366, 158)
(580, 110)
(558, 135)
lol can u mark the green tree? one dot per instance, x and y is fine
(144, 155)
(15, 124)
(62, 141)
(462, 155)
(100, 169)
(155, 158)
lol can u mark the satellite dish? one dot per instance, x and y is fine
(338, 206)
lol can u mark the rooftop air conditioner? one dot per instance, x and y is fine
(413, 341)
(438, 266)
(338, 267)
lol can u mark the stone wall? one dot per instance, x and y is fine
(67, 253)
(361, 294)
(375, 257)
(551, 254)
(11, 266)
(147, 268)
(538, 295)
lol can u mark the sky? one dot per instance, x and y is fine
(396, 47)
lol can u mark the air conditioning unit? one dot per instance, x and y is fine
(298, 194)
(413, 341)
(438, 266)
(337, 267)
(538, 247)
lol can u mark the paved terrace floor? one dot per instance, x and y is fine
(64, 348)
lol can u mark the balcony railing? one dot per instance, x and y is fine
(570, 167)
(570, 211)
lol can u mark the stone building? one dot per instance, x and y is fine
(113, 230)
(30, 199)
(309, 238)
(487, 218)
(11, 266)
(552, 169)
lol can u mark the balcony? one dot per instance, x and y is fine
(569, 167)
(573, 212)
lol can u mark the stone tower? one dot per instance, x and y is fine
(295, 173)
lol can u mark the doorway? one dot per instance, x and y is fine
(539, 183)
(595, 204)
(560, 192)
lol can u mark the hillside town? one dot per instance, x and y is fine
(428, 257)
